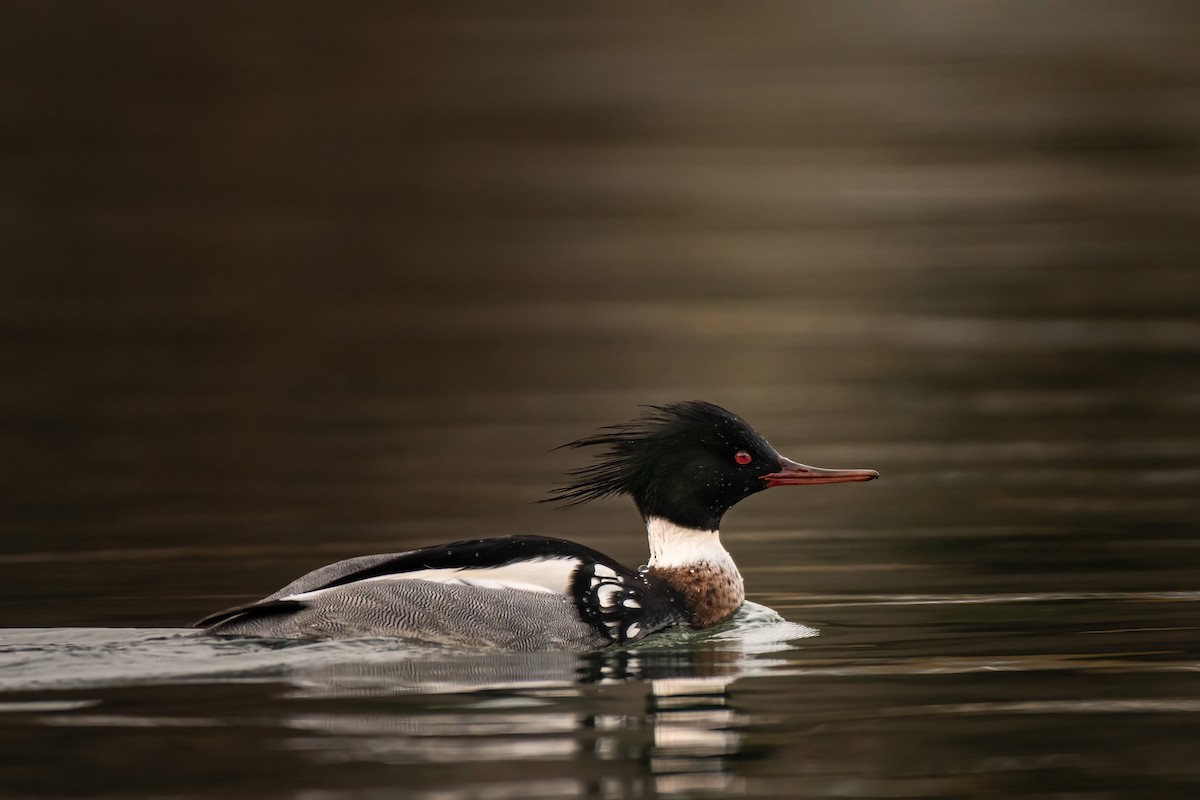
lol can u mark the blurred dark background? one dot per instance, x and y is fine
(285, 283)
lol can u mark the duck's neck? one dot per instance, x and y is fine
(693, 563)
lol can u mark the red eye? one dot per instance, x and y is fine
(742, 457)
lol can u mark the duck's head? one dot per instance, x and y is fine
(689, 463)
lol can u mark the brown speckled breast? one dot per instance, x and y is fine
(712, 593)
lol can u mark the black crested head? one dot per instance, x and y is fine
(685, 462)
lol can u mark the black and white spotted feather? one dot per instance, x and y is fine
(623, 604)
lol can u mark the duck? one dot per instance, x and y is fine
(683, 464)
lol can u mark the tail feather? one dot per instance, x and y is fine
(249, 611)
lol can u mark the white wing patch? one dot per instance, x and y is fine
(549, 575)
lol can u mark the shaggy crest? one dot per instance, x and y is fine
(638, 451)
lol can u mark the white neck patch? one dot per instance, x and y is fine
(673, 546)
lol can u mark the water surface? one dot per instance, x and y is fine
(278, 289)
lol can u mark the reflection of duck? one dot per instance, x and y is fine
(684, 465)
(668, 709)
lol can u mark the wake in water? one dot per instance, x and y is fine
(35, 659)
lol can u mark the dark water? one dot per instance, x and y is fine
(282, 286)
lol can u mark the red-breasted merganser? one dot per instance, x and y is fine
(684, 465)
